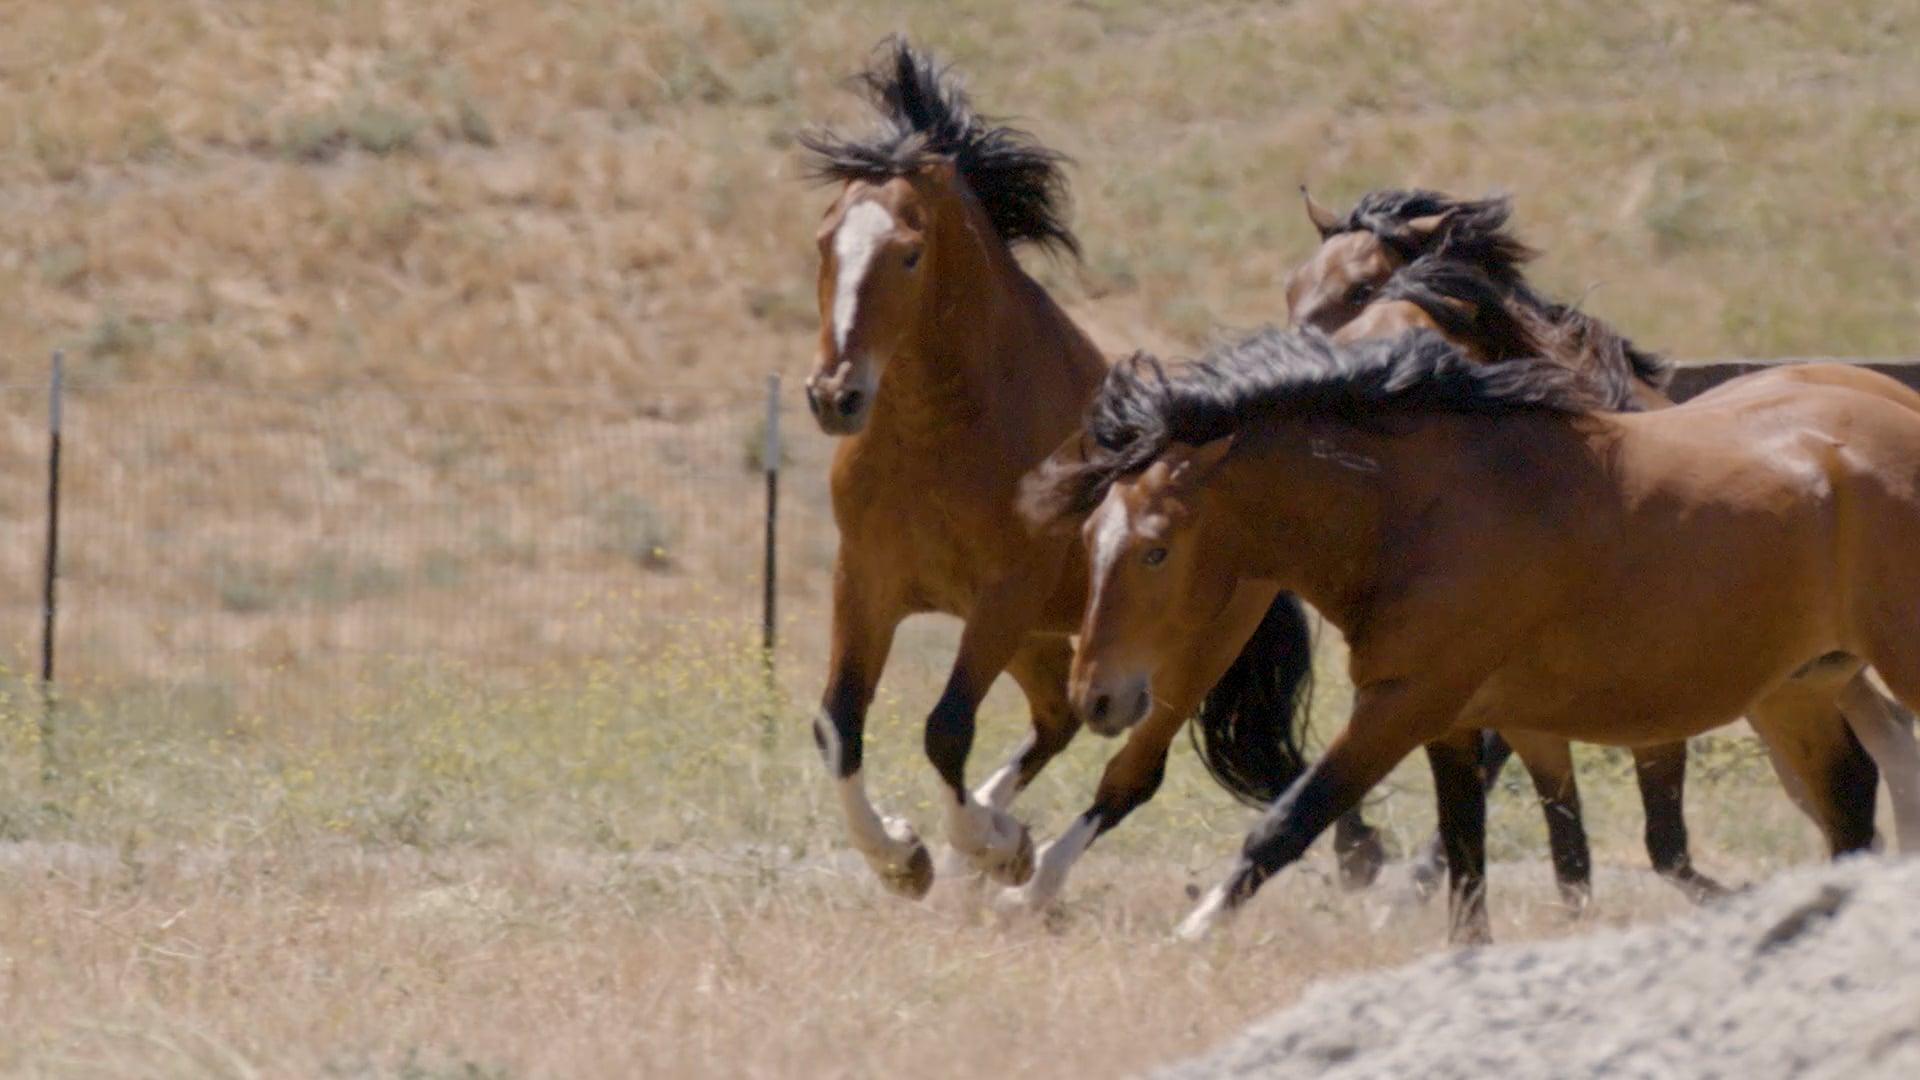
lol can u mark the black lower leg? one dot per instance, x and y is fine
(949, 737)
(1559, 793)
(1463, 823)
(1045, 744)
(1663, 779)
(1567, 840)
(1662, 774)
(1494, 752)
(1358, 850)
(1852, 785)
(838, 731)
(1113, 802)
(1290, 826)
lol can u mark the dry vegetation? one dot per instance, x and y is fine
(473, 302)
(615, 875)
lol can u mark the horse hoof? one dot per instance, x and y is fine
(1699, 888)
(915, 879)
(1360, 863)
(1017, 902)
(1016, 869)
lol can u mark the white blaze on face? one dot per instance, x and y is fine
(1110, 526)
(854, 244)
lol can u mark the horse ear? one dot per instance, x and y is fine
(1424, 227)
(1323, 219)
(1194, 469)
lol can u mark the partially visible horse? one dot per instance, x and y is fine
(1405, 258)
(950, 373)
(1499, 551)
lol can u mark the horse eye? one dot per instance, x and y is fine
(1154, 556)
(912, 260)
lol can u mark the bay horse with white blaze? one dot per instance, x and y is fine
(1499, 552)
(1403, 258)
(949, 372)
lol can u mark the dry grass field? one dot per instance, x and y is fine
(614, 875)
(432, 336)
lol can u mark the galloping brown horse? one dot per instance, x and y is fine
(1499, 552)
(1403, 258)
(950, 373)
(1461, 302)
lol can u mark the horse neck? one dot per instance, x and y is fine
(1304, 509)
(986, 325)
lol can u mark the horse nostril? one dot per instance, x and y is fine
(1101, 706)
(849, 402)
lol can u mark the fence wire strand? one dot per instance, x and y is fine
(271, 536)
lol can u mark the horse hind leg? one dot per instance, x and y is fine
(1822, 764)
(1889, 739)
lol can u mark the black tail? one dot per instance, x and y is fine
(1249, 729)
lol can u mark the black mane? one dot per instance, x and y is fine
(1140, 409)
(1467, 306)
(1609, 353)
(1475, 230)
(925, 116)
(1518, 323)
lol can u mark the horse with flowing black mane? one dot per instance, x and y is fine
(1422, 258)
(1500, 550)
(950, 373)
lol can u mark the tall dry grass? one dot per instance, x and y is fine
(621, 871)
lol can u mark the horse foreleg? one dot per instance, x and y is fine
(1388, 723)
(1461, 800)
(1358, 851)
(861, 640)
(1040, 667)
(1431, 862)
(991, 840)
(1662, 775)
(1549, 762)
(1130, 780)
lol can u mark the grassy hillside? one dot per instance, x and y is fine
(605, 194)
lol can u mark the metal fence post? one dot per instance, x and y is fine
(770, 463)
(51, 570)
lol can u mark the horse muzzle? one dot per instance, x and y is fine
(839, 403)
(1109, 707)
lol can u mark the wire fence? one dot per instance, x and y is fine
(264, 540)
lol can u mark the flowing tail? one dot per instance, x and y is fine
(1250, 726)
